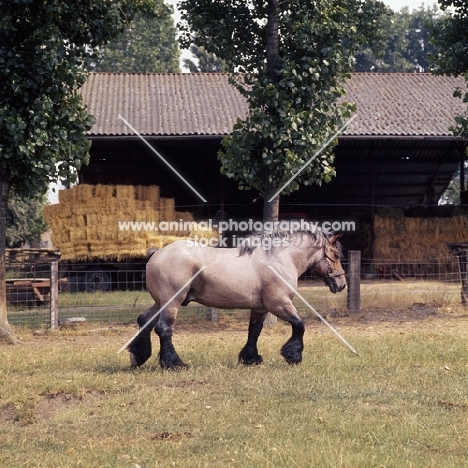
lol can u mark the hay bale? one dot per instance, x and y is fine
(167, 209)
(85, 224)
(104, 192)
(82, 193)
(125, 192)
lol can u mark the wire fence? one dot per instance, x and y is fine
(116, 293)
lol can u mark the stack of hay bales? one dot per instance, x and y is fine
(85, 222)
(403, 238)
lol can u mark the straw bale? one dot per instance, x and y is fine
(82, 193)
(140, 192)
(104, 192)
(77, 235)
(81, 250)
(51, 211)
(417, 238)
(167, 209)
(153, 194)
(96, 248)
(125, 206)
(125, 192)
(66, 251)
(65, 196)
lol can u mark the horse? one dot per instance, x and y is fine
(254, 275)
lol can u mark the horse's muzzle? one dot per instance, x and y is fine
(336, 284)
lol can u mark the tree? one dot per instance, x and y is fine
(25, 222)
(407, 46)
(148, 45)
(451, 195)
(295, 56)
(450, 35)
(43, 120)
(206, 62)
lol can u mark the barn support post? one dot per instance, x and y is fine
(354, 281)
(54, 285)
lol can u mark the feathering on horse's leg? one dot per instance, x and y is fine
(292, 349)
(249, 354)
(168, 357)
(140, 347)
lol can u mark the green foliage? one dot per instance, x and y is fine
(25, 222)
(148, 45)
(42, 117)
(206, 62)
(407, 45)
(293, 113)
(451, 37)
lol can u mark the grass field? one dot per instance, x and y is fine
(69, 400)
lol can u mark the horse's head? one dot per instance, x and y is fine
(329, 266)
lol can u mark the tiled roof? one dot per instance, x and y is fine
(403, 104)
(163, 104)
(388, 104)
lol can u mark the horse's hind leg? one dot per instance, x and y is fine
(249, 354)
(168, 357)
(140, 347)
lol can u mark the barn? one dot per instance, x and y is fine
(398, 152)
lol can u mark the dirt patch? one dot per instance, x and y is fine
(172, 436)
(52, 403)
(7, 415)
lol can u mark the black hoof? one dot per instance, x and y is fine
(174, 364)
(292, 353)
(138, 356)
(251, 361)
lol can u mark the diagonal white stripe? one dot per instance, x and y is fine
(341, 130)
(162, 159)
(312, 309)
(159, 311)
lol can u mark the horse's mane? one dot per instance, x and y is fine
(257, 238)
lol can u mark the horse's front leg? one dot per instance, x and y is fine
(140, 347)
(249, 354)
(292, 349)
(168, 357)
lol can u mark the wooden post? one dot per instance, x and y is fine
(462, 262)
(214, 314)
(54, 285)
(354, 281)
(460, 249)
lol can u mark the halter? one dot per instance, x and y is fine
(327, 259)
(330, 271)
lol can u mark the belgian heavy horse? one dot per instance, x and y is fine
(250, 276)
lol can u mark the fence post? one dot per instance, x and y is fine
(460, 249)
(214, 314)
(54, 285)
(354, 281)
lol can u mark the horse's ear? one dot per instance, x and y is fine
(334, 239)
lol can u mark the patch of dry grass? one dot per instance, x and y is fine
(68, 399)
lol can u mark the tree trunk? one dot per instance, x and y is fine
(6, 333)
(270, 213)
(271, 209)
(272, 47)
